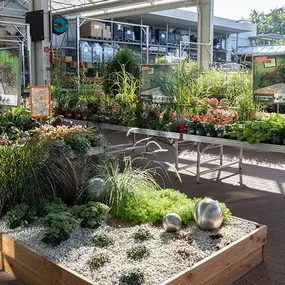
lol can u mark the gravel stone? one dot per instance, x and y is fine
(170, 253)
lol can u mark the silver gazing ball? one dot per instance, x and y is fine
(208, 214)
(94, 188)
(172, 222)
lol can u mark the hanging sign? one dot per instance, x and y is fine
(10, 76)
(40, 101)
(269, 78)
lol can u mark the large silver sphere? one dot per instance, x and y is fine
(208, 214)
(172, 222)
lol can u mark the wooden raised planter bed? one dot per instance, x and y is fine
(222, 268)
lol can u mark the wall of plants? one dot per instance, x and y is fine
(212, 103)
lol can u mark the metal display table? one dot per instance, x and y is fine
(178, 138)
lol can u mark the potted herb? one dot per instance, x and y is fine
(68, 113)
(209, 129)
(77, 111)
(220, 130)
(192, 127)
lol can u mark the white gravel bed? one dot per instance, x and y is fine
(170, 253)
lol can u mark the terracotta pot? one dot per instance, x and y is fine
(252, 115)
(77, 115)
(69, 114)
(58, 112)
(84, 116)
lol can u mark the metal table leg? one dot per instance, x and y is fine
(176, 154)
(221, 154)
(198, 162)
(240, 157)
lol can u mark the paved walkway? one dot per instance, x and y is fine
(256, 193)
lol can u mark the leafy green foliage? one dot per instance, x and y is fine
(267, 23)
(79, 144)
(59, 226)
(77, 211)
(132, 277)
(257, 131)
(98, 260)
(46, 207)
(149, 205)
(94, 215)
(21, 215)
(138, 252)
(142, 234)
(119, 183)
(110, 70)
(102, 240)
(227, 213)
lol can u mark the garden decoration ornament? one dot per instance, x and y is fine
(172, 222)
(208, 214)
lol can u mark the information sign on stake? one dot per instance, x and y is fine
(40, 101)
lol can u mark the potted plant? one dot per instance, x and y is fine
(77, 111)
(209, 129)
(192, 127)
(220, 130)
(282, 135)
(67, 111)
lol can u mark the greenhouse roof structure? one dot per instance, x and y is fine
(268, 49)
(103, 7)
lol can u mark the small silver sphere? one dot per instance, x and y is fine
(208, 214)
(172, 222)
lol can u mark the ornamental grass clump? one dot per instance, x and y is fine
(142, 234)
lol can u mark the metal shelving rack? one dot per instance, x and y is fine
(80, 21)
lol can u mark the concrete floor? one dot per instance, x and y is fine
(256, 193)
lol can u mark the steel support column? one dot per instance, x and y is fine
(205, 33)
(40, 49)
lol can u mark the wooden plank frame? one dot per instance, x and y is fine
(221, 268)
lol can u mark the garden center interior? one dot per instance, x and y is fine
(141, 142)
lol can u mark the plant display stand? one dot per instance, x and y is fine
(222, 268)
(177, 139)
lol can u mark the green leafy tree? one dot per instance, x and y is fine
(272, 22)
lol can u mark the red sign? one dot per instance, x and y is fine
(261, 59)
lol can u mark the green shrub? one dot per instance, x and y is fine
(142, 234)
(94, 215)
(102, 240)
(149, 205)
(21, 215)
(138, 252)
(59, 226)
(77, 210)
(132, 277)
(98, 260)
(78, 143)
(47, 207)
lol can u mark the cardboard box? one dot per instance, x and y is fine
(107, 33)
(66, 59)
(92, 29)
(88, 64)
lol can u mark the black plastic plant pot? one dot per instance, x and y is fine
(211, 133)
(191, 130)
(200, 131)
(220, 134)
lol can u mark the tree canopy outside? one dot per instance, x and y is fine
(267, 23)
